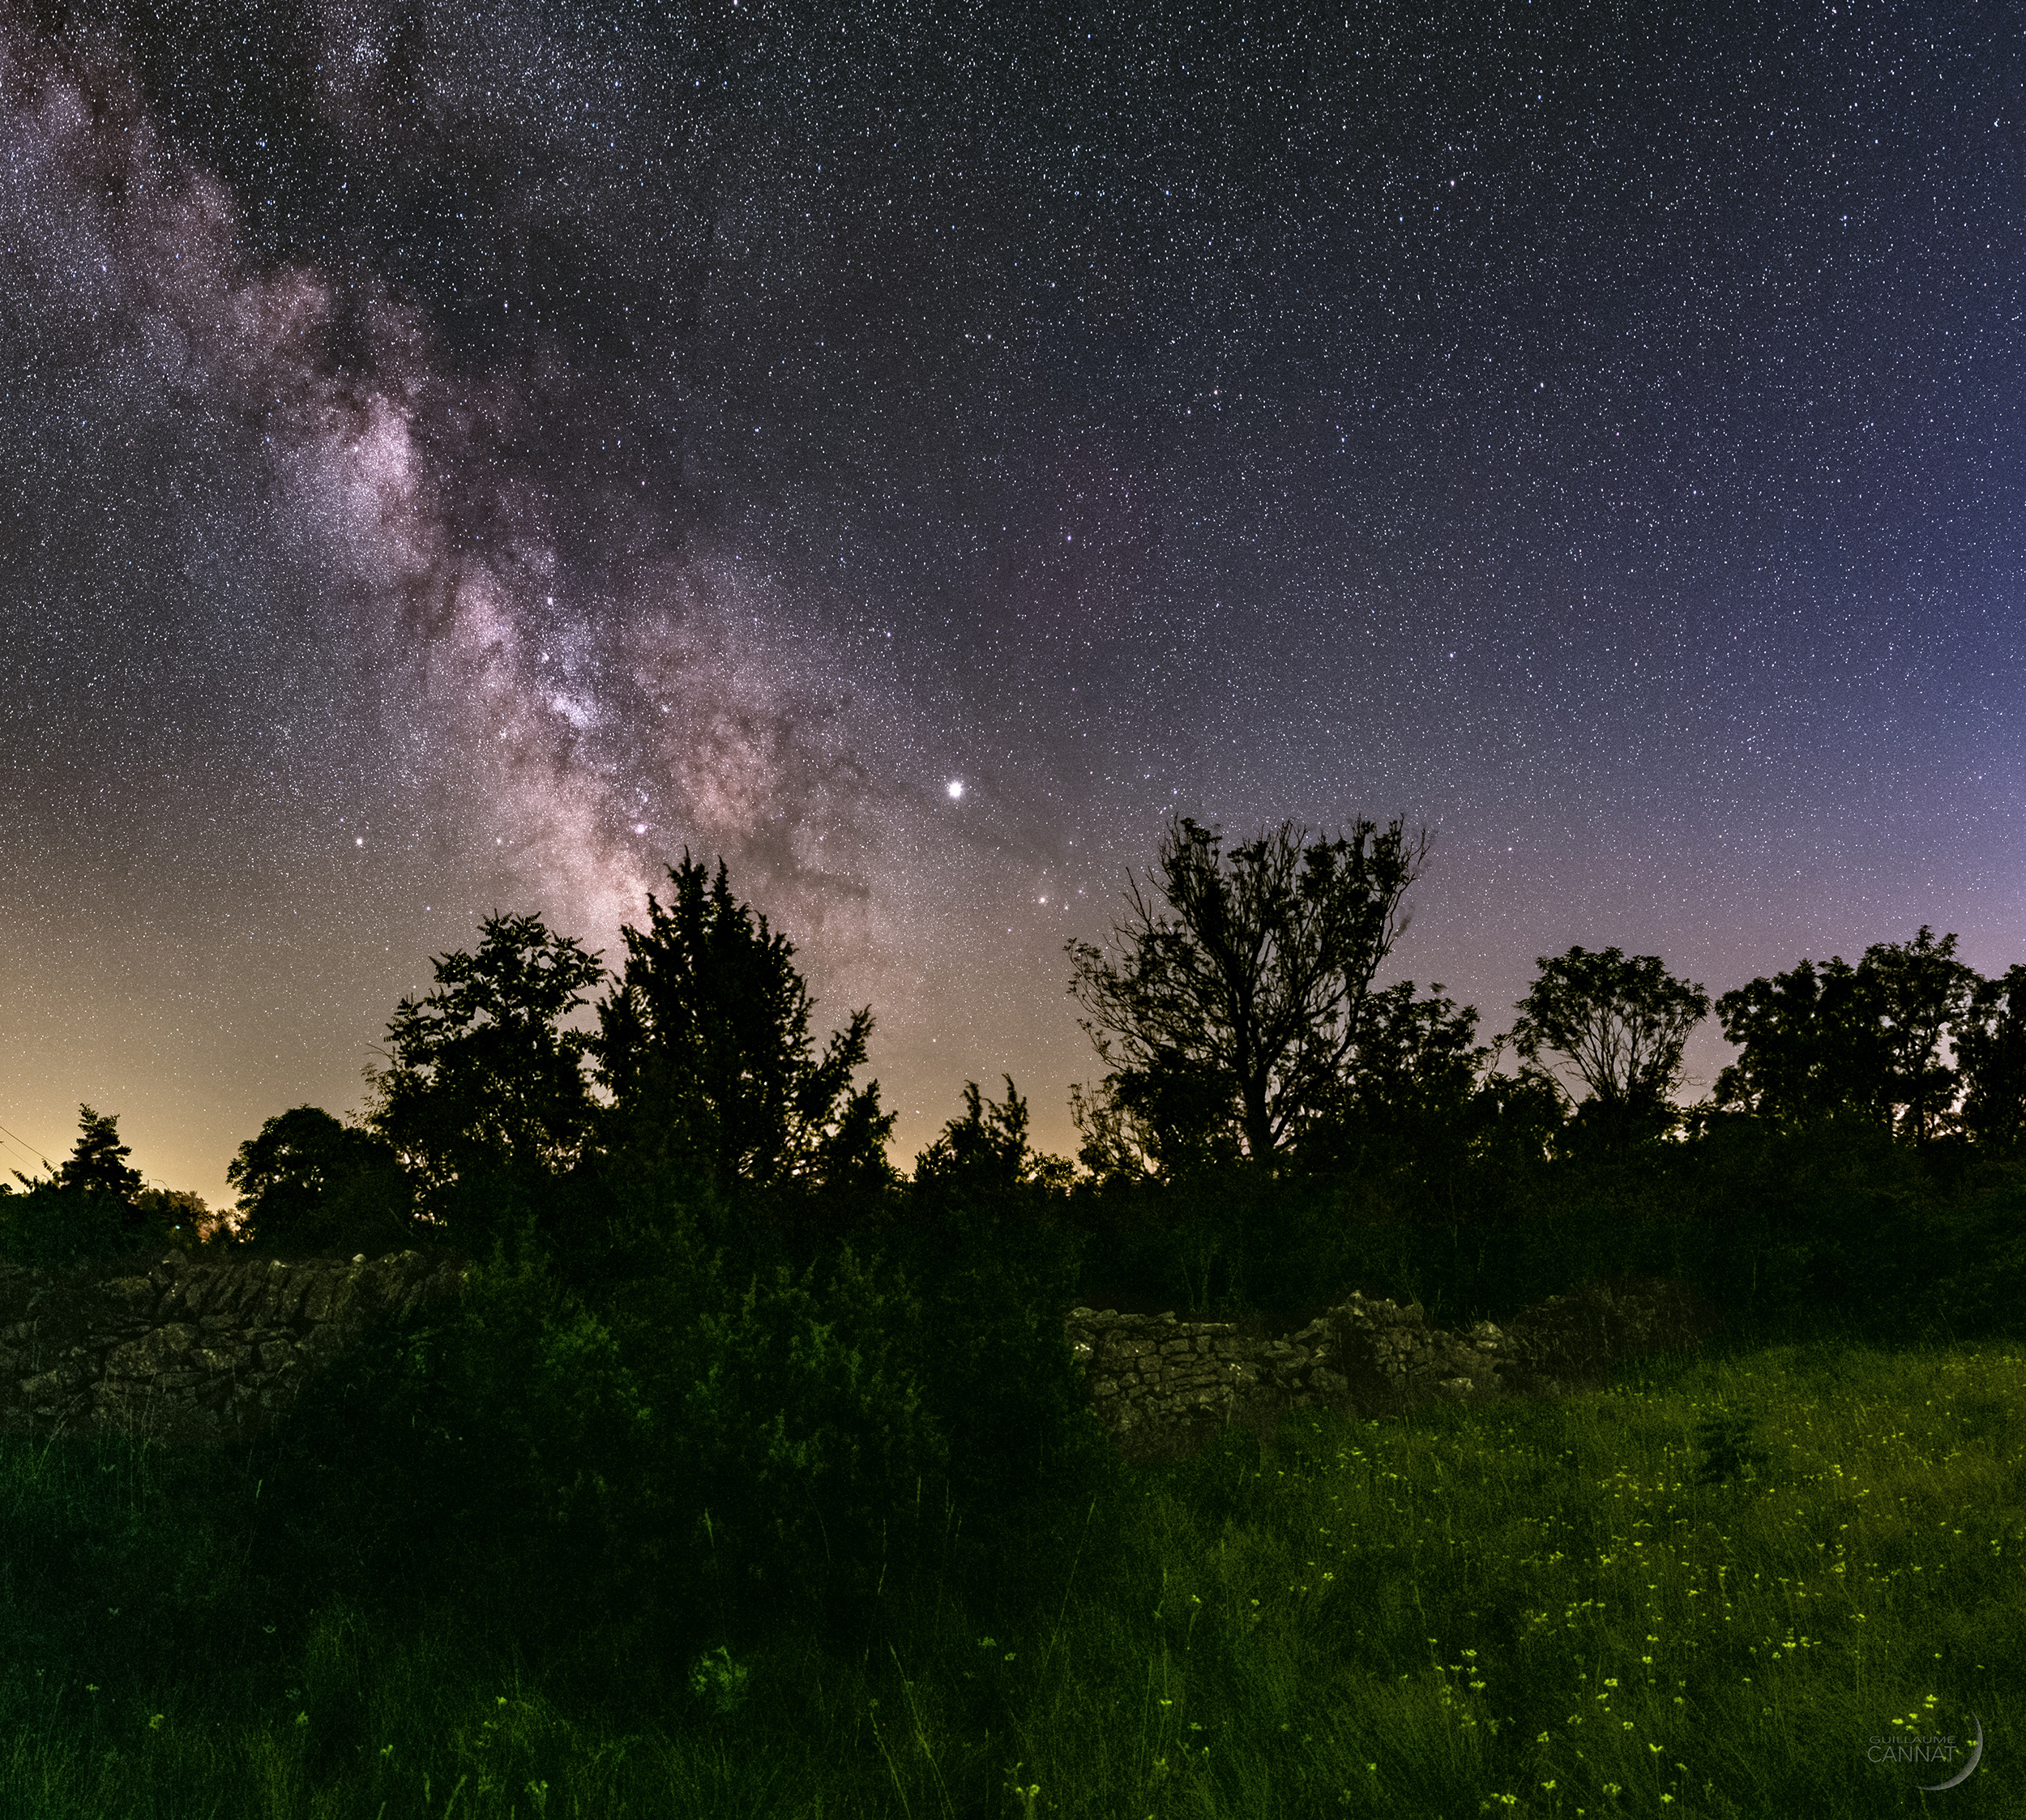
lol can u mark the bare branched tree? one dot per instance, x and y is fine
(1233, 992)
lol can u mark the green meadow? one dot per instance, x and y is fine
(1737, 1583)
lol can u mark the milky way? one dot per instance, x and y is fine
(456, 458)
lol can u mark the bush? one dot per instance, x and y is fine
(1979, 1256)
(666, 1463)
(799, 1449)
(48, 1224)
(506, 1433)
(996, 1367)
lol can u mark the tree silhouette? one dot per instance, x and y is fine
(484, 1097)
(1810, 1044)
(92, 1205)
(1619, 1024)
(175, 1216)
(1990, 1051)
(987, 1150)
(704, 1044)
(1924, 994)
(308, 1184)
(1868, 1039)
(1238, 987)
(97, 1164)
(1418, 1064)
(1416, 1105)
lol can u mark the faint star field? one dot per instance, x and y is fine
(455, 461)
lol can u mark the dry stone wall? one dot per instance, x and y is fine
(192, 1348)
(1161, 1384)
(182, 1348)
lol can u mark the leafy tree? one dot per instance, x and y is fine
(1417, 1066)
(1809, 1042)
(308, 1183)
(1238, 986)
(1518, 1120)
(1990, 1050)
(704, 1044)
(1619, 1024)
(982, 1191)
(1426, 1128)
(484, 1098)
(1167, 1118)
(175, 1216)
(989, 1147)
(1925, 993)
(1867, 1039)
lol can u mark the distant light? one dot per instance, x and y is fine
(358, 840)
(955, 787)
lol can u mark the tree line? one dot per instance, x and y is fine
(1234, 1013)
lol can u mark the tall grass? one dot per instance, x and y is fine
(1705, 1590)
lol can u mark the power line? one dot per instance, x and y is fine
(25, 1151)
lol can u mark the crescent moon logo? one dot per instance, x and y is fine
(1977, 1750)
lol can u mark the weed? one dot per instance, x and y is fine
(1729, 1452)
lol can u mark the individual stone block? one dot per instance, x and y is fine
(331, 1294)
(275, 1300)
(190, 1293)
(152, 1352)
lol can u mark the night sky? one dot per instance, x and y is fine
(451, 458)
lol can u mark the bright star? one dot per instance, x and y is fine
(955, 787)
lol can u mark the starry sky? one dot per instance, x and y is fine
(453, 457)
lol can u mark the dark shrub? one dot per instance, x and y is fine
(798, 1446)
(671, 1458)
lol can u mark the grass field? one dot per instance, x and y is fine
(1731, 1585)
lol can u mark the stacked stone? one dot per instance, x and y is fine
(190, 1350)
(1392, 1359)
(1155, 1379)
(211, 1349)
(1159, 1383)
